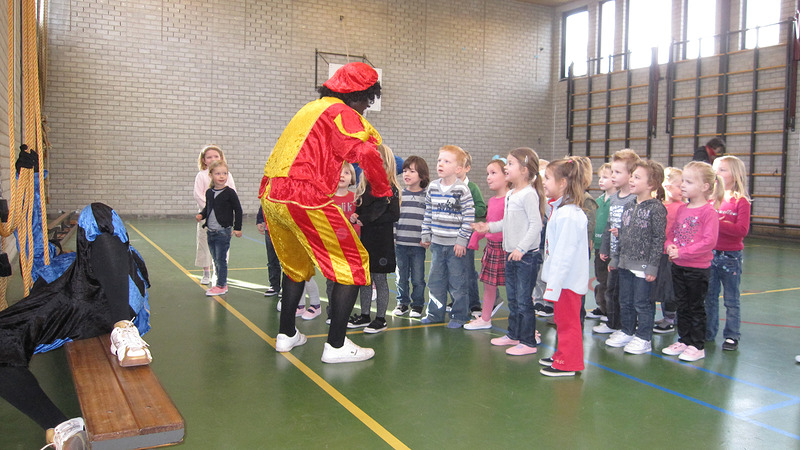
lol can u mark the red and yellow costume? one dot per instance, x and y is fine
(300, 179)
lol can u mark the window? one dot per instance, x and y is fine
(606, 47)
(575, 42)
(700, 28)
(649, 25)
(761, 13)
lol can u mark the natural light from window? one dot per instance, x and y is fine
(759, 14)
(649, 25)
(700, 28)
(576, 43)
(607, 10)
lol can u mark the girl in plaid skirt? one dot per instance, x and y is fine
(493, 273)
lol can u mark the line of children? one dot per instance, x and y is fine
(494, 258)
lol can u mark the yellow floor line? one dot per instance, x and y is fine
(373, 425)
(769, 292)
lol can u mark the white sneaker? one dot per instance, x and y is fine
(415, 314)
(130, 349)
(71, 435)
(478, 324)
(603, 329)
(638, 346)
(206, 279)
(618, 339)
(284, 343)
(797, 358)
(349, 352)
(674, 349)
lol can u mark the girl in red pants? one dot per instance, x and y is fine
(566, 268)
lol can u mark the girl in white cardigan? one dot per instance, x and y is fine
(209, 154)
(566, 267)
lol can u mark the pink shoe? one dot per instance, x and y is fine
(674, 349)
(520, 350)
(217, 290)
(312, 312)
(300, 311)
(691, 354)
(505, 340)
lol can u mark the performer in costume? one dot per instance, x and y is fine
(103, 290)
(307, 228)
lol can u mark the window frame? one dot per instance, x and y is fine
(564, 70)
(599, 57)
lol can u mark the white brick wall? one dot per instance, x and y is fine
(137, 88)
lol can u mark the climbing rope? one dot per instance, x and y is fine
(22, 186)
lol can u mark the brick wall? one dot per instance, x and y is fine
(137, 88)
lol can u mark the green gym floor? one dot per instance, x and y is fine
(429, 387)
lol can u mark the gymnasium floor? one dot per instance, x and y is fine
(432, 388)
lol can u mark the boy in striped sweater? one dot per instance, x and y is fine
(449, 212)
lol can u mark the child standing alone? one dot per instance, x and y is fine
(726, 267)
(222, 212)
(566, 268)
(408, 232)
(493, 270)
(639, 250)
(521, 226)
(690, 244)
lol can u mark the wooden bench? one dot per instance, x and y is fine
(124, 408)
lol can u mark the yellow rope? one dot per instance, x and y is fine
(22, 186)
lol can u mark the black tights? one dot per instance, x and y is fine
(341, 302)
(20, 388)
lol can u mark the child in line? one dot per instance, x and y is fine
(601, 265)
(622, 164)
(494, 258)
(566, 268)
(480, 216)
(690, 244)
(639, 249)
(345, 199)
(274, 272)
(409, 252)
(662, 288)
(726, 267)
(377, 216)
(222, 211)
(449, 212)
(209, 154)
(521, 226)
(589, 207)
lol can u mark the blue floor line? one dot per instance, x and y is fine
(742, 416)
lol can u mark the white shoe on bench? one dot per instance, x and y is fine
(70, 435)
(130, 349)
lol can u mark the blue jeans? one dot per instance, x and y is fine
(636, 309)
(410, 265)
(725, 272)
(474, 294)
(520, 279)
(448, 274)
(218, 244)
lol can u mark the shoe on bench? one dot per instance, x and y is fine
(129, 347)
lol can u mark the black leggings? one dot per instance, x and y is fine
(341, 302)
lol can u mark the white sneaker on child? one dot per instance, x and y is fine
(603, 328)
(618, 339)
(128, 346)
(284, 343)
(638, 346)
